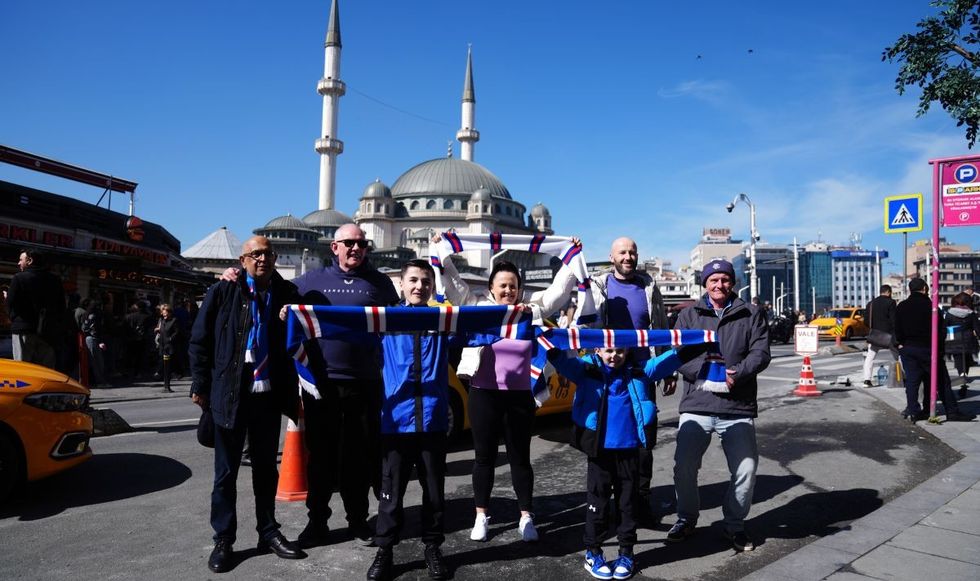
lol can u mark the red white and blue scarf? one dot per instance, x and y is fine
(562, 247)
(552, 338)
(351, 323)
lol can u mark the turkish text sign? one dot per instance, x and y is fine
(960, 186)
(807, 340)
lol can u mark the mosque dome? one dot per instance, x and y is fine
(447, 176)
(287, 222)
(376, 189)
(540, 210)
(326, 219)
(481, 195)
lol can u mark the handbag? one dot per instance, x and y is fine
(877, 337)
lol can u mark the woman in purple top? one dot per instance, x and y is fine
(500, 400)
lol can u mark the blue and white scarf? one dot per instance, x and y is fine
(257, 348)
(562, 247)
(351, 323)
(551, 338)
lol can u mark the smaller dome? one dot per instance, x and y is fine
(481, 195)
(328, 218)
(376, 189)
(540, 210)
(287, 222)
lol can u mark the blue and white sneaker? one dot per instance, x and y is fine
(623, 567)
(596, 565)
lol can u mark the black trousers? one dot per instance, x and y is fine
(915, 361)
(426, 452)
(962, 362)
(342, 432)
(613, 473)
(509, 413)
(259, 418)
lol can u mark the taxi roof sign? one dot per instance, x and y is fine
(903, 213)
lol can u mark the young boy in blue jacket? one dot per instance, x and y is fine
(414, 421)
(612, 416)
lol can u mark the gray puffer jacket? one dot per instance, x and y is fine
(743, 339)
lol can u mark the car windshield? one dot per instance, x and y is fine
(839, 314)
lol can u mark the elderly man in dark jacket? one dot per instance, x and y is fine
(720, 396)
(242, 373)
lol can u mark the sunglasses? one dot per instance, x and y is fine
(352, 243)
(259, 254)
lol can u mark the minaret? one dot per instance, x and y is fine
(467, 135)
(332, 89)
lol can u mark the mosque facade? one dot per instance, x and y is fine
(400, 220)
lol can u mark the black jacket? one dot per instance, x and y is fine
(881, 314)
(217, 348)
(913, 322)
(967, 329)
(33, 292)
(743, 340)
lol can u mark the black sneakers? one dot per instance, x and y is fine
(681, 530)
(433, 560)
(740, 541)
(380, 569)
(314, 535)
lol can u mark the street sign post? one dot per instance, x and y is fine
(806, 340)
(903, 213)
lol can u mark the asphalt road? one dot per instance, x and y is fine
(140, 506)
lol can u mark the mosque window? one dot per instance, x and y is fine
(447, 205)
(496, 208)
(507, 210)
(415, 205)
(430, 205)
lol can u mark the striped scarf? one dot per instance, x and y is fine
(551, 338)
(257, 348)
(351, 323)
(570, 254)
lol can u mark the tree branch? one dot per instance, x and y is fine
(970, 56)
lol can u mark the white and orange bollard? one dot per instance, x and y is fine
(808, 385)
(293, 484)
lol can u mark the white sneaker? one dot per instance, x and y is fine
(526, 527)
(479, 532)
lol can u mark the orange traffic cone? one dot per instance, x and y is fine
(807, 386)
(292, 469)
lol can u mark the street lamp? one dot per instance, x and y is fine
(753, 238)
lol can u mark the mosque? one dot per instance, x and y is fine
(433, 196)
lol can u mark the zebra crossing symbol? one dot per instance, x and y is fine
(903, 217)
(903, 213)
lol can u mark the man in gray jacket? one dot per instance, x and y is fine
(720, 396)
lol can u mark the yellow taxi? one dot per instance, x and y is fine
(560, 401)
(43, 428)
(852, 323)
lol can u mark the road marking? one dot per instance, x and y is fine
(164, 423)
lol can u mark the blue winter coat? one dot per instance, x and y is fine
(591, 393)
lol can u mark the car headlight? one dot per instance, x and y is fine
(57, 402)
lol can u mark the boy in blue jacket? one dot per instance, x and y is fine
(414, 421)
(612, 416)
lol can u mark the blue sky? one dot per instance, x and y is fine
(601, 110)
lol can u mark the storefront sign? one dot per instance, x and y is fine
(33, 235)
(112, 247)
(128, 276)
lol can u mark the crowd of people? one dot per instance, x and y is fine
(47, 326)
(380, 409)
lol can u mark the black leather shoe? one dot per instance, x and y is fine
(221, 557)
(314, 535)
(959, 417)
(380, 569)
(282, 547)
(923, 415)
(363, 533)
(433, 560)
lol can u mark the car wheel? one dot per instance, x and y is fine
(456, 419)
(848, 334)
(11, 466)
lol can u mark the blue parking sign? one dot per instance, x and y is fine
(903, 213)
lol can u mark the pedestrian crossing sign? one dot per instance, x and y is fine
(903, 213)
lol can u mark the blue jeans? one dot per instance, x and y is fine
(737, 435)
